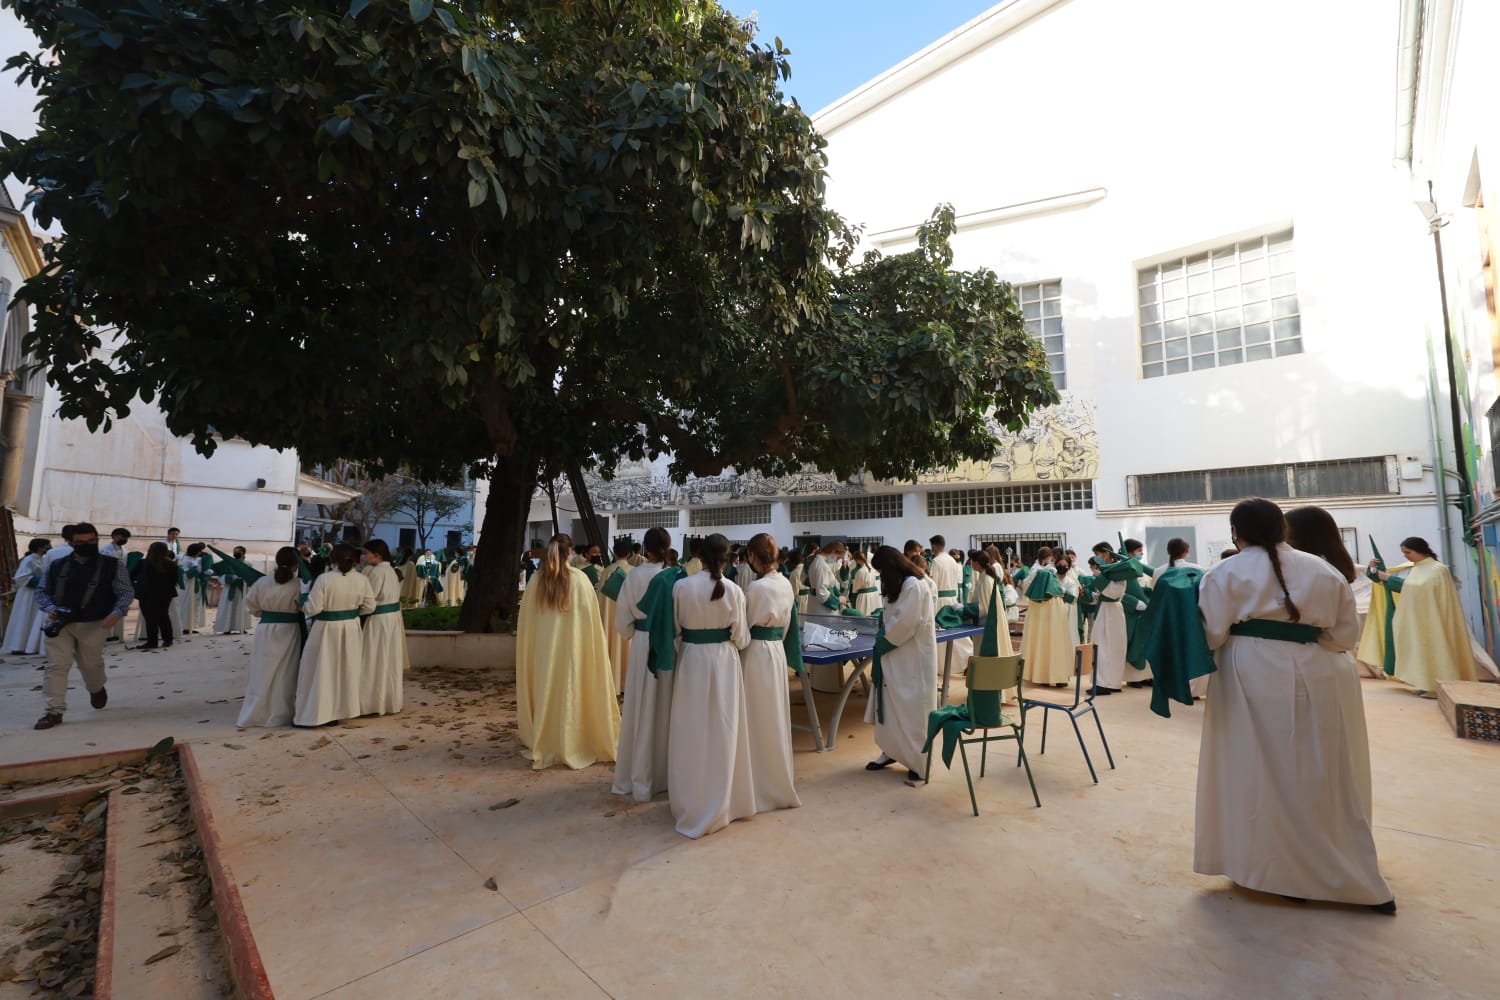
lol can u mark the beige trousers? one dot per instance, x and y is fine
(83, 641)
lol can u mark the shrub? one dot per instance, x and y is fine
(432, 619)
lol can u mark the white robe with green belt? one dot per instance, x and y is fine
(646, 713)
(385, 666)
(908, 684)
(1284, 801)
(768, 604)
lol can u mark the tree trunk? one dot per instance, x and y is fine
(493, 593)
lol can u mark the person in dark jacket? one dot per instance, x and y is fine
(83, 595)
(156, 586)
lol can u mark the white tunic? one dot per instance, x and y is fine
(946, 574)
(189, 604)
(18, 632)
(821, 580)
(111, 549)
(646, 714)
(709, 747)
(231, 616)
(865, 579)
(271, 688)
(1110, 636)
(1284, 767)
(909, 676)
(331, 675)
(380, 691)
(768, 602)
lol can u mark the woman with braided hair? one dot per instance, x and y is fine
(709, 782)
(1281, 806)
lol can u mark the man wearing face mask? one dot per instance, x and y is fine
(82, 597)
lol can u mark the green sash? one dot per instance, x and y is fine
(592, 572)
(831, 602)
(1262, 628)
(947, 593)
(611, 588)
(660, 623)
(767, 633)
(337, 616)
(866, 590)
(280, 618)
(386, 609)
(877, 675)
(705, 636)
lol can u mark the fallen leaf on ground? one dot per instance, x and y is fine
(233, 746)
(504, 805)
(166, 952)
(322, 742)
(491, 885)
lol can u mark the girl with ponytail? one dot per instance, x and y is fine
(1284, 801)
(332, 671)
(770, 611)
(708, 749)
(271, 688)
(566, 712)
(646, 714)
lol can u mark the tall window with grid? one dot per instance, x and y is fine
(865, 508)
(1041, 303)
(745, 513)
(647, 519)
(1234, 304)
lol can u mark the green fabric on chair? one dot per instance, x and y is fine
(949, 617)
(988, 678)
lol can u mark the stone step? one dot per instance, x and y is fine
(148, 908)
(1472, 708)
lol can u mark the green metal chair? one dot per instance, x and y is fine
(988, 678)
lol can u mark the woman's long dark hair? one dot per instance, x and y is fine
(345, 557)
(656, 545)
(1314, 531)
(1260, 522)
(711, 552)
(894, 569)
(1418, 544)
(380, 548)
(286, 563)
(159, 558)
(1177, 549)
(982, 562)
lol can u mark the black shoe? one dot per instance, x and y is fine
(49, 720)
(99, 698)
(1388, 907)
(167, 644)
(1135, 684)
(876, 765)
(1105, 690)
(147, 645)
(913, 778)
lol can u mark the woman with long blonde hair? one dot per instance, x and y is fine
(565, 692)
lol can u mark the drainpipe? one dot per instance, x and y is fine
(1439, 473)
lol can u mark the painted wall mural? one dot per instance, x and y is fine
(1060, 442)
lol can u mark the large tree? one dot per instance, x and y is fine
(518, 234)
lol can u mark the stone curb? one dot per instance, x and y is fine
(104, 957)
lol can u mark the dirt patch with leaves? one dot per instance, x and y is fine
(49, 944)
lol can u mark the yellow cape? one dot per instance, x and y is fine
(1372, 647)
(1432, 638)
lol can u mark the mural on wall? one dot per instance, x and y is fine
(1060, 442)
(637, 488)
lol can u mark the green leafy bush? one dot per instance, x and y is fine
(432, 619)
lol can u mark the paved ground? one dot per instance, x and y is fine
(363, 854)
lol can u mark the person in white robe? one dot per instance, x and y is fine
(708, 749)
(906, 690)
(190, 605)
(276, 652)
(864, 587)
(768, 611)
(1109, 632)
(1072, 587)
(115, 548)
(231, 615)
(617, 642)
(35, 640)
(645, 715)
(28, 577)
(946, 576)
(797, 577)
(987, 589)
(330, 676)
(1284, 802)
(386, 662)
(454, 583)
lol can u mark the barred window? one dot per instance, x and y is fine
(864, 543)
(647, 519)
(866, 508)
(1023, 546)
(747, 513)
(1234, 304)
(1072, 495)
(1301, 480)
(1041, 304)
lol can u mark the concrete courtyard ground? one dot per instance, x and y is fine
(365, 855)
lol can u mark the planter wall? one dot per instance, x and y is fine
(462, 649)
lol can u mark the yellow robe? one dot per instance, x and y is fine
(1432, 638)
(1372, 639)
(565, 697)
(617, 642)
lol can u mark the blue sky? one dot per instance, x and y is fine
(839, 44)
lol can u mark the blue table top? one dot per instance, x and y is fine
(863, 645)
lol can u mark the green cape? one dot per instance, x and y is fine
(1175, 642)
